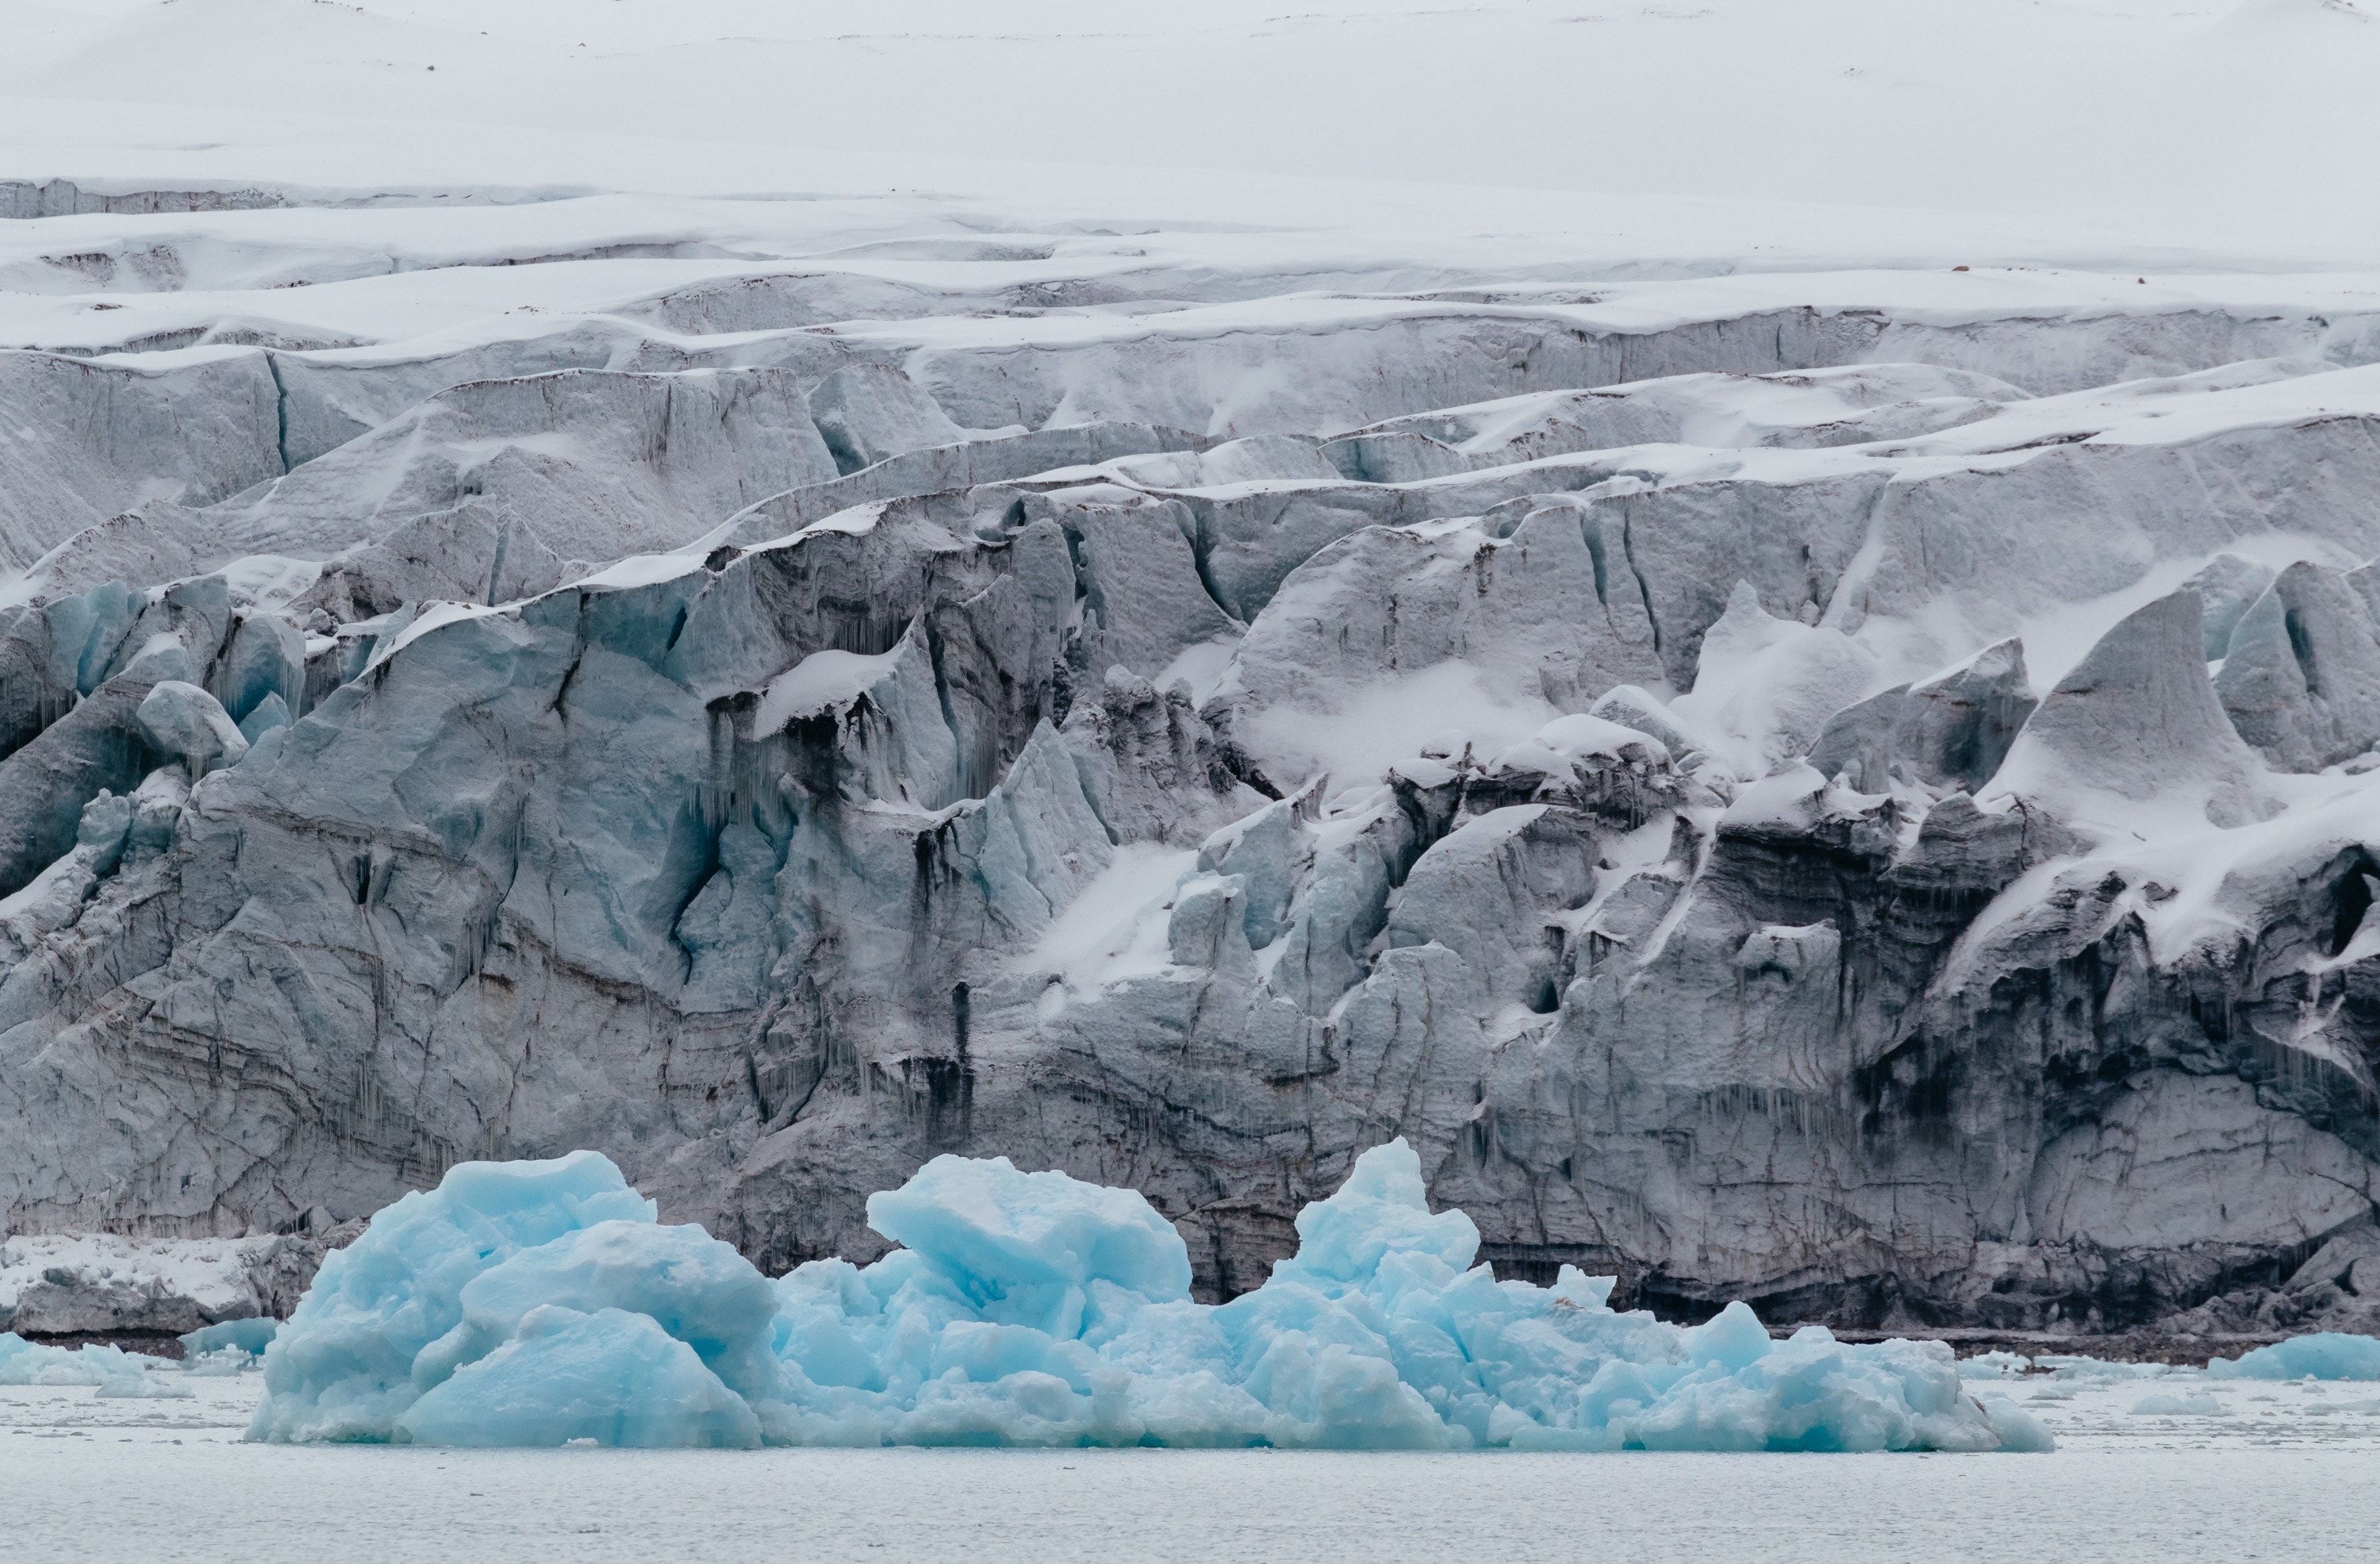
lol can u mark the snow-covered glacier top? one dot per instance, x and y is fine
(1833, 128)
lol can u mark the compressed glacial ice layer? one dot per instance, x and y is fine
(534, 1304)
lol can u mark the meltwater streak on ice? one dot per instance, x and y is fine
(529, 1303)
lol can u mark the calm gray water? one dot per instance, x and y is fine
(2283, 1473)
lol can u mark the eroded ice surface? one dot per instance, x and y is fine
(529, 1303)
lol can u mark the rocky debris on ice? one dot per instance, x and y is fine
(540, 1303)
(2336, 1288)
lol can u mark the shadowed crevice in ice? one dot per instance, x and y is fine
(536, 1303)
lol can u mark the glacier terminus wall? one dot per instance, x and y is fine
(1848, 779)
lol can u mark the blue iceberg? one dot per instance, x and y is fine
(2323, 1354)
(539, 1302)
(478, 1273)
(248, 1338)
(116, 1374)
(226, 1350)
(32, 1362)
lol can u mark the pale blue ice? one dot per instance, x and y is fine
(2320, 1355)
(30, 1363)
(248, 1338)
(232, 1348)
(538, 1302)
(117, 1374)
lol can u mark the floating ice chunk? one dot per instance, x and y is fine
(2322, 1355)
(245, 1339)
(2070, 1366)
(611, 1376)
(142, 1386)
(1379, 1212)
(117, 1374)
(1379, 1332)
(32, 1362)
(2200, 1405)
(1810, 1393)
(2020, 1432)
(1994, 1365)
(540, 1303)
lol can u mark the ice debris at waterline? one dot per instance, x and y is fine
(538, 1303)
(118, 1375)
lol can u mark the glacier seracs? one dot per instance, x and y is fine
(536, 1304)
(777, 690)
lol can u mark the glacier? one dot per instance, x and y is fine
(1792, 710)
(541, 1303)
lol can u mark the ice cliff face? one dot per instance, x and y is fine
(1865, 805)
